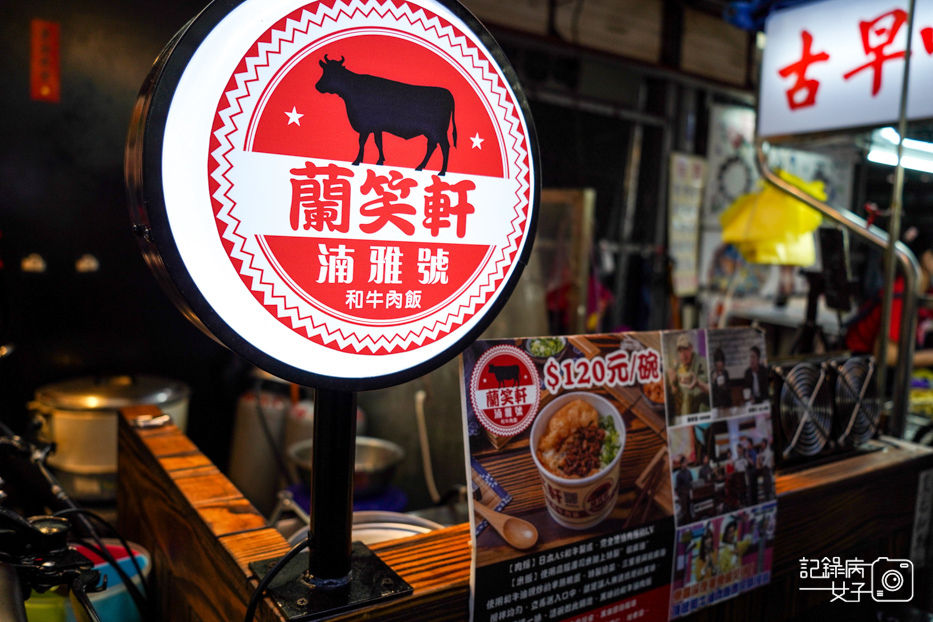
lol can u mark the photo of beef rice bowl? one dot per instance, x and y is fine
(576, 443)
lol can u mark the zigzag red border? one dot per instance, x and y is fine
(262, 288)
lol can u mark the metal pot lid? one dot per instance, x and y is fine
(110, 392)
(373, 526)
(379, 517)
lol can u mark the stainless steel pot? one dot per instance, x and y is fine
(80, 417)
(376, 460)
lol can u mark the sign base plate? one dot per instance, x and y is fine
(371, 581)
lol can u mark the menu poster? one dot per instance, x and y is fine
(685, 195)
(722, 464)
(568, 434)
(618, 476)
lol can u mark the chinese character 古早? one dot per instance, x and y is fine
(323, 201)
(799, 69)
(878, 34)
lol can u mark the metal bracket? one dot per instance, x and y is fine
(299, 598)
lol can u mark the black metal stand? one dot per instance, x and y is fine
(810, 330)
(335, 575)
(332, 465)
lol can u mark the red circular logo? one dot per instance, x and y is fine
(339, 190)
(505, 390)
(372, 183)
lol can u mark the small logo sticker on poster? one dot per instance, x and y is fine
(504, 390)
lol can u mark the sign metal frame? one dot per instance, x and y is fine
(144, 170)
(331, 577)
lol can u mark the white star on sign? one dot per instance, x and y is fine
(477, 141)
(294, 116)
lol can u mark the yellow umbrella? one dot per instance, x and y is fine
(771, 226)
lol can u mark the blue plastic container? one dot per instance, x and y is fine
(112, 605)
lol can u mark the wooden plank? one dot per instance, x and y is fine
(231, 516)
(253, 546)
(524, 15)
(713, 48)
(630, 28)
(186, 462)
(861, 506)
(171, 445)
(194, 575)
(203, 535)
(208, 488)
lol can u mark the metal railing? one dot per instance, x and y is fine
(911, 272)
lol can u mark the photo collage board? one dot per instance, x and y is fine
(722, 463)
(579, 451)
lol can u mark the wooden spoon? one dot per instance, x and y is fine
(516, 532)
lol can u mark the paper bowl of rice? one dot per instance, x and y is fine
(576, 443)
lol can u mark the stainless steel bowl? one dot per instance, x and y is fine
(370, 527)
(376, 460)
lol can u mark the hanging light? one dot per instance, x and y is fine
(916, 155)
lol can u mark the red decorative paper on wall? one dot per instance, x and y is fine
(44, 63)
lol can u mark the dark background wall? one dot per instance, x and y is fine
(62, 195)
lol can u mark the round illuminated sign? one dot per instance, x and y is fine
(342, 192)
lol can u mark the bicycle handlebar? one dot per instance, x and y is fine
(12, 608)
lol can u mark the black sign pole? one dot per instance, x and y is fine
(332, 466)
(335, 574)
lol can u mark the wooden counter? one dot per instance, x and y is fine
(202, 534)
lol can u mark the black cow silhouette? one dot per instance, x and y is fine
(504, 372)
(376, 105)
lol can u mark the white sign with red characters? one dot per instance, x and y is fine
(505, 390)
(840, 64)
(350, 184)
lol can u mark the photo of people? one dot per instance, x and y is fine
(719, 381)
(721, 466)
(756, 377)
(739, 375)
(721, 557)
(686, 379)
